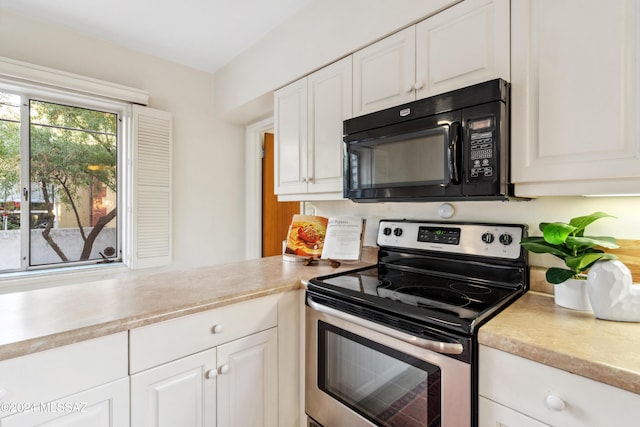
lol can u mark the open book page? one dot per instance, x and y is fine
(343, 240)
(306, 236)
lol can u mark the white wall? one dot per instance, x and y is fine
(319, 34)
(531, 213)
(208, 218)
(328, 29)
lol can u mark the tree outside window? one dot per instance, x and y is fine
(70, 162)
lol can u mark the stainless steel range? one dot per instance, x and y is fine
(395, 344)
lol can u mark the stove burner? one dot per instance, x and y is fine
(469, 288)
(420, 295)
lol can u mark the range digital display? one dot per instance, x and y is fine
(443, 235)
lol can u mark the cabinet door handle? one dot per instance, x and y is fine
(304, 180)
(418, 85)
(224, 369)
(555, 403)
(217, 329)
(211, 374)
(410, 89)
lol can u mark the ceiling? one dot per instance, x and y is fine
(203, 34)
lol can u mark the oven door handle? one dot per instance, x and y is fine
(437, 346)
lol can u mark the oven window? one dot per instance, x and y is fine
(384, 385)
(400, 161)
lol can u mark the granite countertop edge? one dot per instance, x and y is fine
(535, 328)
(44, 319)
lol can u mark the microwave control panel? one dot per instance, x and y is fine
(482, 147)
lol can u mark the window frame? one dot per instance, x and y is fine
(21, 77)
(123, 112)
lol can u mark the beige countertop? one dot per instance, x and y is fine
(575, 341)
(46, 318)
(533, 327)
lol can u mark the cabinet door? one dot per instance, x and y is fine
(491, 414)
(291, 138)
(103, 406)
(575, 97)
(180, 393)
(551, 395)
(463, 45)
(247, 383)
(384, 73)
(329, 92)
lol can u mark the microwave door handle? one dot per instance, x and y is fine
(453, 153)
(437, 346)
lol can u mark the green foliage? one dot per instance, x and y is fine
(72, 152)
(568, 242)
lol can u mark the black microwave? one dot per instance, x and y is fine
(449, 147)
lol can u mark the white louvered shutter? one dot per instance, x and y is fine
(151, 204)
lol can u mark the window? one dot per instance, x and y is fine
(59, 181)
(85, 176)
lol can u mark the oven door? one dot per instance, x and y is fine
(356, 376)
(404, 161)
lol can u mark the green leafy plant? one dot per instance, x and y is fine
(568, 242)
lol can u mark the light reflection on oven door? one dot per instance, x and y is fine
(383, 385)
(358, 377)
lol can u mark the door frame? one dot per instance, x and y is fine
(254, 135)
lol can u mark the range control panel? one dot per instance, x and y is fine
(482, 164)
(491, 240)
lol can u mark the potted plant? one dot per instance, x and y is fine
(567, 242)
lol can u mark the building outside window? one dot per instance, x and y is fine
(59, 181)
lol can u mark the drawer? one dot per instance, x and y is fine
(492, 414)
(62, 371)
(163, 342)
(551, 395)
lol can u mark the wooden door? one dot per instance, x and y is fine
(276, 216)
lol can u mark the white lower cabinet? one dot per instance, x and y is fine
(215, 368)
(179, 393)
(248, 381)
(492, 414)
(515, 391)
(103, 406)
(234, 384)
(77, 385)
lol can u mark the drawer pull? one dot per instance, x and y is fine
(555, 403)
(224, 369)
(211, 374)
(217, 329)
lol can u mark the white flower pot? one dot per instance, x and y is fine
(612, 292)
(573, 294)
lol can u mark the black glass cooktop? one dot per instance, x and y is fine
(440, 300)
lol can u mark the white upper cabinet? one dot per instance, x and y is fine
(575, 97)
(384, 73)
(291, 138)
(465, 44)
(308, 133)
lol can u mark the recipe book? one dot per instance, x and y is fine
(338, 238)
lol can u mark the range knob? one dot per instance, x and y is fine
(488, 237)
(506, 239)
(386, 231)
(397, 232)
